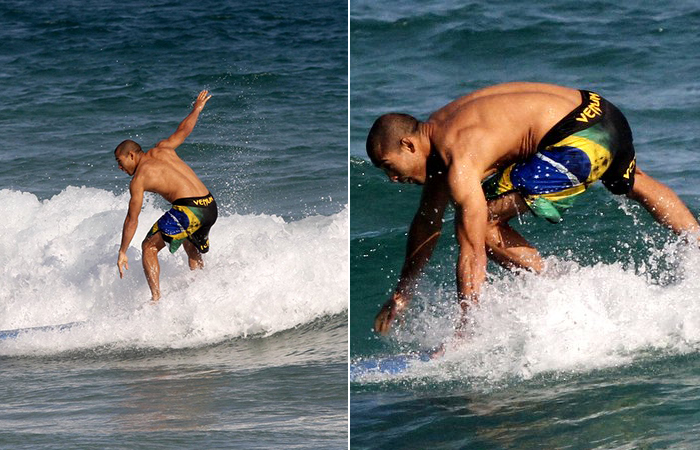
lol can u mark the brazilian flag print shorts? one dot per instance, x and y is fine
(593, 142)
(189, 218)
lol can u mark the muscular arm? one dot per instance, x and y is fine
(187, 125)
(470, 226)
(422, 238)
(130, 223)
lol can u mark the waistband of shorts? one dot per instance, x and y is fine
(198, 202)
(593, 109)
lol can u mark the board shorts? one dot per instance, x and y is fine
(592, 142)
(189, 218)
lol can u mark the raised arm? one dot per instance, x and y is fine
(422, 238)
(130, 223)
(187, 125)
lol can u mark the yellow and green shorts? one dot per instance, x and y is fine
(189, 218)
(593, 142)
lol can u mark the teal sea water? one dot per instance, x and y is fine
(604, 350)
(252, 351)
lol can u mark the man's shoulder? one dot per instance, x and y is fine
(158, 155)
(161, 148)
(453, 134)
(145, 169)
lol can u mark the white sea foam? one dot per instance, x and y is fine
(262, 275)
(572, 319)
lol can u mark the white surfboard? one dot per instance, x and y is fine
(14, 334)
(392, 365)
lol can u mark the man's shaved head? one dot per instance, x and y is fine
(127, 147)
(386, 134)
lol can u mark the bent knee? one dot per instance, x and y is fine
(152, 243)
(494, 233)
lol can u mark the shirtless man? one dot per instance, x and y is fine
(193, 212)
(499, 152)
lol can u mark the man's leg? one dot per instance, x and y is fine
(150, 247)
(194, 256)
(663, 204)
(504, 245)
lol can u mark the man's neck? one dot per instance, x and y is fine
(425, 133)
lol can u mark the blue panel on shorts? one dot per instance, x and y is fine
(173, 222)
(538, 176)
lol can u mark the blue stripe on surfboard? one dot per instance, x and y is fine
(13, 334)
(391, 365)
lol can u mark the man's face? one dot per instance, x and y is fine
(403, 166)
(126, 163)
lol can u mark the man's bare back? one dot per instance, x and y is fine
(162, 171)
(498, 125)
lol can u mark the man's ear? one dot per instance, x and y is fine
(407, 143)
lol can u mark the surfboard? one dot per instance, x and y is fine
(13, 334)
(391, 365)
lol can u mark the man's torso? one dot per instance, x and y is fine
(496, 126)
(164, 173)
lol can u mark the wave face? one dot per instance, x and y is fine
(571, 319)
(262, 275)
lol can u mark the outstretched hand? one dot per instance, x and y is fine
(122, 263)
(202, 100)
(395, 305)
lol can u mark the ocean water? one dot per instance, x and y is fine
(603, 350)
(250, 352)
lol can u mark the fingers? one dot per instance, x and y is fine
(202, 100)
(382, 323)
(379, 324)
(204, 96)
(380, 327)
(121, 263)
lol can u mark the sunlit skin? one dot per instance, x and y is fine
(127, 163)
(408, 165)
(460, 145)
(160, 170)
